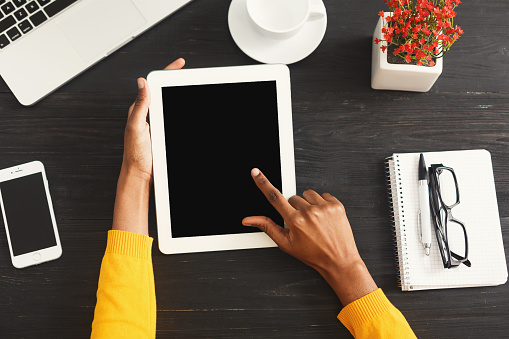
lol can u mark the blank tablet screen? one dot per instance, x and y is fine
(215, 134)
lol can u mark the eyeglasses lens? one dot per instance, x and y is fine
(448, 190)
(456, 237)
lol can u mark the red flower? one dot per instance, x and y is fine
(381, 14)
(383, 48)
(416, 27)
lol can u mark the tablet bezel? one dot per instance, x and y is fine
(206, 76)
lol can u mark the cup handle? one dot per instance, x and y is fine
(316, 10)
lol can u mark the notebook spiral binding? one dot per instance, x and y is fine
(396, 205)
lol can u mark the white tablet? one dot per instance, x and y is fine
(209, 128)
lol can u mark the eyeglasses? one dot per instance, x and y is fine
(451, 233)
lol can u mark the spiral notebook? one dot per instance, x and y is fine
(478, 209)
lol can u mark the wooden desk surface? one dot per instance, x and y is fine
(343, 131)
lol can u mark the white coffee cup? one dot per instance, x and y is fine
(282, 19)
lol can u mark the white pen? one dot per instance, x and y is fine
(424, 211)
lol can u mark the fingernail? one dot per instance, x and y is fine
(255, 172)
(141, 83)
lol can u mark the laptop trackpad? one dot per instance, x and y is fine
(98, 26)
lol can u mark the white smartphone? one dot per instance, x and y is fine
(28, 215)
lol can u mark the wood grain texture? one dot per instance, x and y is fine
(343, 131)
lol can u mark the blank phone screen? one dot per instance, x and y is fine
(215, 134)
(27, 212)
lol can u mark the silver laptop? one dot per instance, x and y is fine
(45, 43)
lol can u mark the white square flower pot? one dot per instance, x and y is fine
(399, 77)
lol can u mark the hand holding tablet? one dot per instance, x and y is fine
(133, 188)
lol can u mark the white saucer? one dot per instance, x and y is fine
(271, 51)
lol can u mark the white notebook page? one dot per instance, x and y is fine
(478, 209)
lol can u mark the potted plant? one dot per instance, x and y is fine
(409, 43)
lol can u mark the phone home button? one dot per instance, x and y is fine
(36, 256)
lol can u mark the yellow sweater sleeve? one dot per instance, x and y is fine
(126, 300)
(373, 316)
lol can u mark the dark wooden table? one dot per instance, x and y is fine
(343, 131)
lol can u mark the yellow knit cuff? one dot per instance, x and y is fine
(364, 309)
(130, 244)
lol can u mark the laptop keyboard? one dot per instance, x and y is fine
(18, 17)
